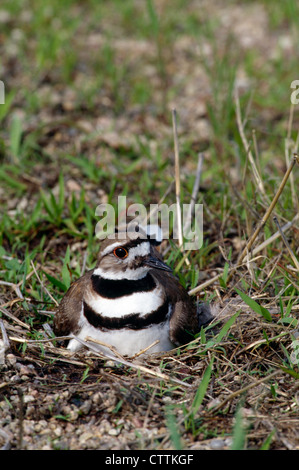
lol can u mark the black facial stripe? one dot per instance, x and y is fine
(113, 288)
(132, 243)
(133, 321)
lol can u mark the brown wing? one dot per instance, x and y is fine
(184, 321)
(67, 316)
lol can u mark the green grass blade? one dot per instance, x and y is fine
(255, 306)
(47, 206)
(65, 272)
(56, 282)
(173, 429)
(224, 330)
(61, 199)
(4, 108)
(36, 213)
(201, 391)
(12, 182)
(291, 372)
(239, 432)
(15, 136)
(223, 279)
(267, 442)
(153, 17)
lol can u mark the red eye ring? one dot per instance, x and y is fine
(120, 252)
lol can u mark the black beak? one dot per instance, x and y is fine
(154, 262)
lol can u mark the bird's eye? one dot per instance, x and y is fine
(120, 252)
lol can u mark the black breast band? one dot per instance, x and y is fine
(133, 321)
(113, 289)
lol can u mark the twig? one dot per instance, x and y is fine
(296, 263)
(177, 178)
(287, 156)
(155, 209)
(195, 190)
(15, 319)
(15, 287)
(207, 283)
(197, 181)
(21, 418)
(142, 351)
(131, 364)
(37, 341)
(42, 284)
(296, 143)
(3, 385)
(7, 438)
(4, 335)
(101, 343)
(256, 150)
(269, 210)
(262, 341)
(290, 122)
(243, 390)
(272, 270)
(84, 263)
(10, 303)
(48, 330)
(150, 404)
(276, 235)
(266, 216)
(256, 175)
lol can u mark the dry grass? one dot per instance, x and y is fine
(90, 119)
(250, 371)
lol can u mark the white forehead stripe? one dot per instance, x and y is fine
(154, 232)
(112, 247)
(142, 249)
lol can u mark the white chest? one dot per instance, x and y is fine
(127, 342)
(139, 302)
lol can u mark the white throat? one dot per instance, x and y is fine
(130, 274)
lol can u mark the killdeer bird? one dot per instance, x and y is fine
(130, 300)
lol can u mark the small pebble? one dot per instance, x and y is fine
(217, 444)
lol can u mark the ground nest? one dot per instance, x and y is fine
(234, 382)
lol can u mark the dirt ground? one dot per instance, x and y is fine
(235, 390)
